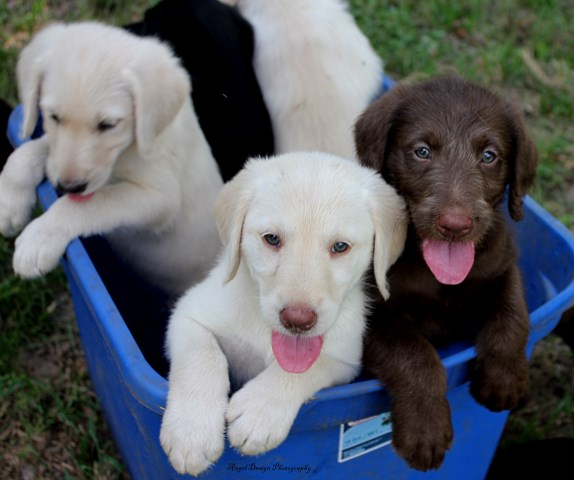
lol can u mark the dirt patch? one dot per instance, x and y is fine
(62, 434)
(548, 409)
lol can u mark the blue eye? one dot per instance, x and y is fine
(340, 247)
(272, 239)
(423, 152)
(488, 157)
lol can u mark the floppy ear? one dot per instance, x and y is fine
(373, 126)
(390, 219)
(30, 70)
(159, 87)
(522, 167)
(231, 206)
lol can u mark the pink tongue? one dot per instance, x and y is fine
(449, 262)
(296, 354)
(75, 197)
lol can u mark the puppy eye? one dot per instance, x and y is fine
(340, 247)
(272, 239)
(55, 118)
(488, 157)
(105, 125)
(422, 152)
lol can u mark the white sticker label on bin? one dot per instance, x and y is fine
(364, 436)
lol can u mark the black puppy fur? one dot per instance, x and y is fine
(5, 146)
(215, 45)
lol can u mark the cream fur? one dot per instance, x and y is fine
(222, 327)
(152, 173)
(316, 69)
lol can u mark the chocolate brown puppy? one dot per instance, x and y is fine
(451, 149)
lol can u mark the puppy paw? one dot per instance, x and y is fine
(499, 385)
(422, 435)
(259, 419)
(192, 439)
(38, 249)
(15, 210)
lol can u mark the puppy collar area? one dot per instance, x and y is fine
(295, 353)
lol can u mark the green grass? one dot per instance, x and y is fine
(521, 48)
(50, 418)
(51, 425)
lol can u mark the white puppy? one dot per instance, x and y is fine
(283, 311)
(316, 69)
(123, 145)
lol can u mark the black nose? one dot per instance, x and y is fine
(64, 187)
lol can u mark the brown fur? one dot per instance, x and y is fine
(457, 121)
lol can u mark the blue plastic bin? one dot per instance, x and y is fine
(123, 353)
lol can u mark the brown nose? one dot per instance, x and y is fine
(455, 224)
(298, 318)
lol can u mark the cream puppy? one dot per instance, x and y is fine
(283, 311)
(316, 69)
(123, 145)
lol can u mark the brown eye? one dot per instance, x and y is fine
(272, 239)
(423, 153)
(55, 118)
